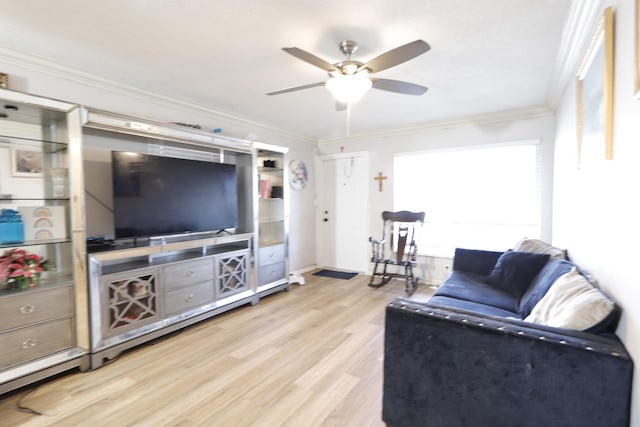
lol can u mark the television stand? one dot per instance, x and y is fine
(140, 293)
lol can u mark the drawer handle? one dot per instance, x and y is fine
(188, 299)
(27, 309)
(190, 273)
(28, 344)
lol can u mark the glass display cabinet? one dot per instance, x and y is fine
(43, 314)
(273, 216)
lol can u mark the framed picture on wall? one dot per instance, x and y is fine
(298, 175)
(26, 162)
(594, 93)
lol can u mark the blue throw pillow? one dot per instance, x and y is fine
(514, 271)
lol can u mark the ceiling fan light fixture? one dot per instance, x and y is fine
(348, 88)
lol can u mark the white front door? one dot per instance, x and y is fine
(343, 206)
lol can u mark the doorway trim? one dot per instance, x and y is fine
(321, 192)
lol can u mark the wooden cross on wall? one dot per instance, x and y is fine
(380, 178)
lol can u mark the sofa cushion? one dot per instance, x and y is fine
(475, 307)
(572, 303)
(475, 260)
(541, 284)
(514, 271)
(540, 247)
(472, 287)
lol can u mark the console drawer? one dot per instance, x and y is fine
(270, 273)
(187, 273)
(188, 297)
(22, 345)
(35, 306)
(271, 254)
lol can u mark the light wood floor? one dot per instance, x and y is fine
(308, 357)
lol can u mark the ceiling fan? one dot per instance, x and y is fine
(349, 79)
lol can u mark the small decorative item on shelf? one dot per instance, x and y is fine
(43, 222)
(11, 227)
(276, 192)
(21, 270)
(264, 189)
(59, 181)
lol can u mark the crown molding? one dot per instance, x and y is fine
(472, 120)
(22, 59)
(576, 36)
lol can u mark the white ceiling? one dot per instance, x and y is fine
(486, 55)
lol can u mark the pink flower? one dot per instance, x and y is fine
(4, 268)
(17, 273)
(17, 263)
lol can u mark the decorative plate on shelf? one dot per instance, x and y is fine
(298, 175)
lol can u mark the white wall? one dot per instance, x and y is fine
(381, 150)
(596, 208)
(40, 79)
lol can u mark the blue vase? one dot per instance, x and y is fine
(11, 227)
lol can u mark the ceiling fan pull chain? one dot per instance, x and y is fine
(348, 119)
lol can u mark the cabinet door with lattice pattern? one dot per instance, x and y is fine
(232, 273)
(132, 300)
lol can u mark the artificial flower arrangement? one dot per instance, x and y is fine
(21, 270)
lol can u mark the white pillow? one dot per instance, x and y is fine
(571, 303)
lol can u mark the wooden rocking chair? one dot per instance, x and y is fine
(400, 250)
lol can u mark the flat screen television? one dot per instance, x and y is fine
(156, 195)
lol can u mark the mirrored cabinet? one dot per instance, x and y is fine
(89, 267)
(43, 305)
(273, 203)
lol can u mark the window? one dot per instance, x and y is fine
(483, 198)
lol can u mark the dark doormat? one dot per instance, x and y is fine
(335, 274)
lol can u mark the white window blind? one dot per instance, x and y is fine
(482, 198)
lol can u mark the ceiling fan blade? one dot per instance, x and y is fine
(396, 56)
(293, 89)
(398, 87)
(311, 59)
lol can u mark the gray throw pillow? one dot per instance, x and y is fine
(540, 247)
(571, 303)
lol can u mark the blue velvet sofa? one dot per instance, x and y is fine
(474, 355)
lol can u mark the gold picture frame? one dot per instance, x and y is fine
(594, 94)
